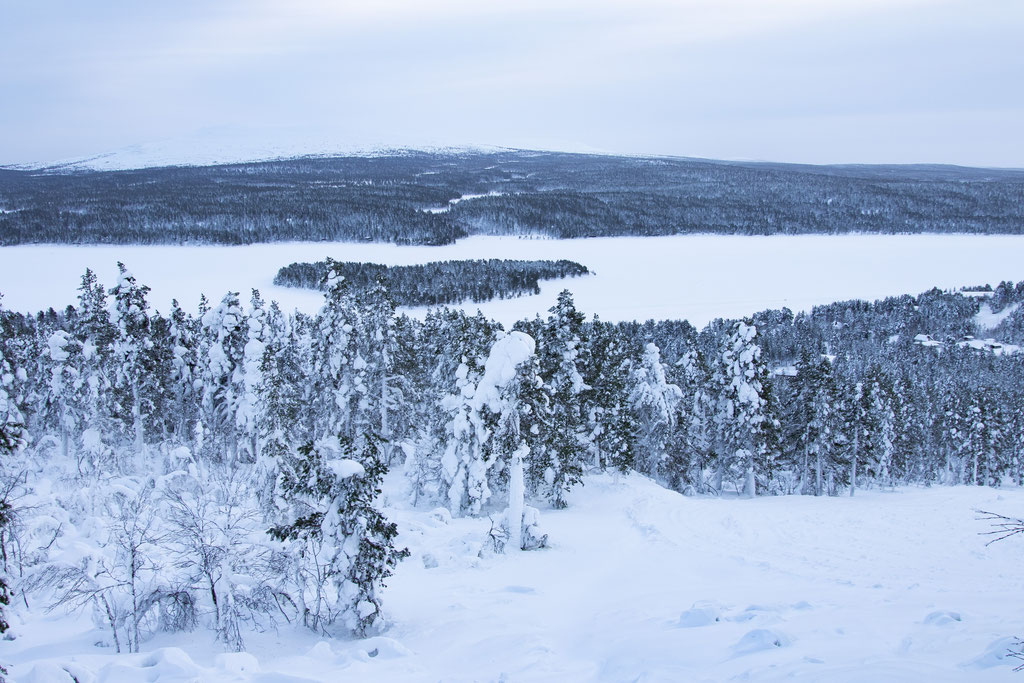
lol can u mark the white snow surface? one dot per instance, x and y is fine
(986, 319)
(695, 277)
(640, 583)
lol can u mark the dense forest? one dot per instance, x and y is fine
(438, 282)
(167, 471)
(423, 198)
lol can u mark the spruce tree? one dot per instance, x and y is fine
(134, 380)
(560, 465)
(342, 544)
(655, 405)
(610, 422)
(739, 377)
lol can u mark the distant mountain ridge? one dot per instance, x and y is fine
(221, 150)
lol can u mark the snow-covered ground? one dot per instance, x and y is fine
(642, 584)
(987, 320)
(696, 277)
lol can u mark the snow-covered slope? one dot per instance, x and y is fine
(641, 583)
(229, 145)
(987, 320)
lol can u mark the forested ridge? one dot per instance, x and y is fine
(413, 198)
(438, 282)
(168, 470)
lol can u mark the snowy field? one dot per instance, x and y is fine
(642, 584)
(696, 277)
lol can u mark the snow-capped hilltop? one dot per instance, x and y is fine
(215, 146)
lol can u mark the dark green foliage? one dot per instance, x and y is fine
(406, 199)
(328, 510)
(441, 282)
(562, 353)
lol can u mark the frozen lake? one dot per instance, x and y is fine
(696, 277)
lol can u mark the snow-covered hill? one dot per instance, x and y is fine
(231, 145)
(641, 583)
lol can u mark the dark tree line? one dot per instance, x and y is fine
(405, 199)
(438, 282)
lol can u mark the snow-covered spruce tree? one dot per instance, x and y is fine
(182, 395)
(222, 353)
(96, 334)
(878, 389)
(610, 423)
(64, 406)
(377, 387)
(859, 427)
(740, 420)
(464, 468)
(428, 362)
(559, 466)
(341, 544)
(407, 399)
(279, 403)
(655, 403)
(818, 398)
(12, 438)
(93, 320)
(985, 432)
(510, 400)
(252, 359)
(691, 454)
(134, 379)
(333, 355)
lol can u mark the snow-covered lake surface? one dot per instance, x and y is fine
(696, 277)
(642, 584)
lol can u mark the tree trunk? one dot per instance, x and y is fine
(817, 473)
(140, 434)
(113, 625)
(516, 497)
(853, 464)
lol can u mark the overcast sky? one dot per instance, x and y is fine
(790, 80)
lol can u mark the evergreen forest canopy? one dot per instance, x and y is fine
(166, 471)
(417, 198)
(438, 282)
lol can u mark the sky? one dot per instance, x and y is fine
(822, 81)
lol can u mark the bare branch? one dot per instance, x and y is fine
(1002, 526)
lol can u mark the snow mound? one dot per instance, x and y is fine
(699, 615)
(48, 672)
(996, 654)
(942, 618)
(240, 663)
(759, 639)
(165, 664)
